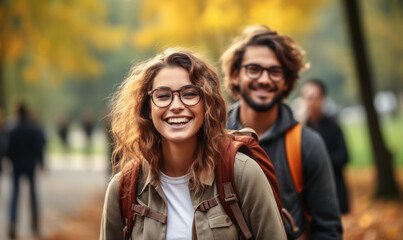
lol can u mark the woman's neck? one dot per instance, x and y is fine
(178, 157)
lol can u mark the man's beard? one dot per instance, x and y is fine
(261, 107)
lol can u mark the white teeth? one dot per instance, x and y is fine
(178, 120)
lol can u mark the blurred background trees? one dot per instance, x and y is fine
(62, 55)
(46, 43)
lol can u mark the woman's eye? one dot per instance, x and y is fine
(189, 94)
(163, 96)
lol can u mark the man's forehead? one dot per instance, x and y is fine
(261, 55)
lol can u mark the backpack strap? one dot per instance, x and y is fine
(294, 156)
(247, 142)
(145, 211)
(232, 201)
(224, 172)
(127, 195)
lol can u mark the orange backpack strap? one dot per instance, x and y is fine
(294, 156)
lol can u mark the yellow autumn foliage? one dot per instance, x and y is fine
(58, 38)
(384, 29)
(210, 23)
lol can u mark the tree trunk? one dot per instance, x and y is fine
(2, 89)
(386, 183)
(5, 11)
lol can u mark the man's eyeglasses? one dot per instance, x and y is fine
(189, 95)
(255, 71)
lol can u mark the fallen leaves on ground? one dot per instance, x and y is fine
(84, 224)
(369, 218)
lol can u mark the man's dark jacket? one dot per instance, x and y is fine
(336, 146)
(319, 192)
(25, 147)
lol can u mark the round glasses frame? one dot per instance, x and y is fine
(262, 69)
(179, 91)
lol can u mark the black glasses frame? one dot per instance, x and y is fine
(150, 94)
(284, 69)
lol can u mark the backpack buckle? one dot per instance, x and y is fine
(140, 210)
(230, 198)
(204, 206)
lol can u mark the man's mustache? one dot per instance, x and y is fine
(268, 87)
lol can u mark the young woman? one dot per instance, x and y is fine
(170, 116)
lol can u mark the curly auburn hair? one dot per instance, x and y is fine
(135, 137)
(286, 50)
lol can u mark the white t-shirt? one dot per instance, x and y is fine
(180, 208)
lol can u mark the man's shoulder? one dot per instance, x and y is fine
(233, 107)
(233, 120)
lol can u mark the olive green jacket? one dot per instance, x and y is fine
(254, 194)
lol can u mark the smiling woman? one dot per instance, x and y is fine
(181, 118)
(169, 118)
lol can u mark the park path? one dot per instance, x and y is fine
(70, 181)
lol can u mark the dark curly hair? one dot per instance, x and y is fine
(286, 50)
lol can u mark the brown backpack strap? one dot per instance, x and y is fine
(224, 172)
(207, 204)
(247, 144)
(287, 215)
(127, 195)
(145, 211)
(232, 201)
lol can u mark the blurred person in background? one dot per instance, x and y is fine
(169, 116)
(88, 125)
(261, 68)
(24, 151)
(313, 94)
(42, 137)
(63, 125)
(3, 139)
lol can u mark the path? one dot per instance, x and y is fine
(69, 182)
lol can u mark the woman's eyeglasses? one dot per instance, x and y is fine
(189, 95)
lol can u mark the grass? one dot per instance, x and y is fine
(356, 134)
(55, 147)
(78, 143)
(359, 142)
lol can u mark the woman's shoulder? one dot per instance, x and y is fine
(245, 166)
(114, 182)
